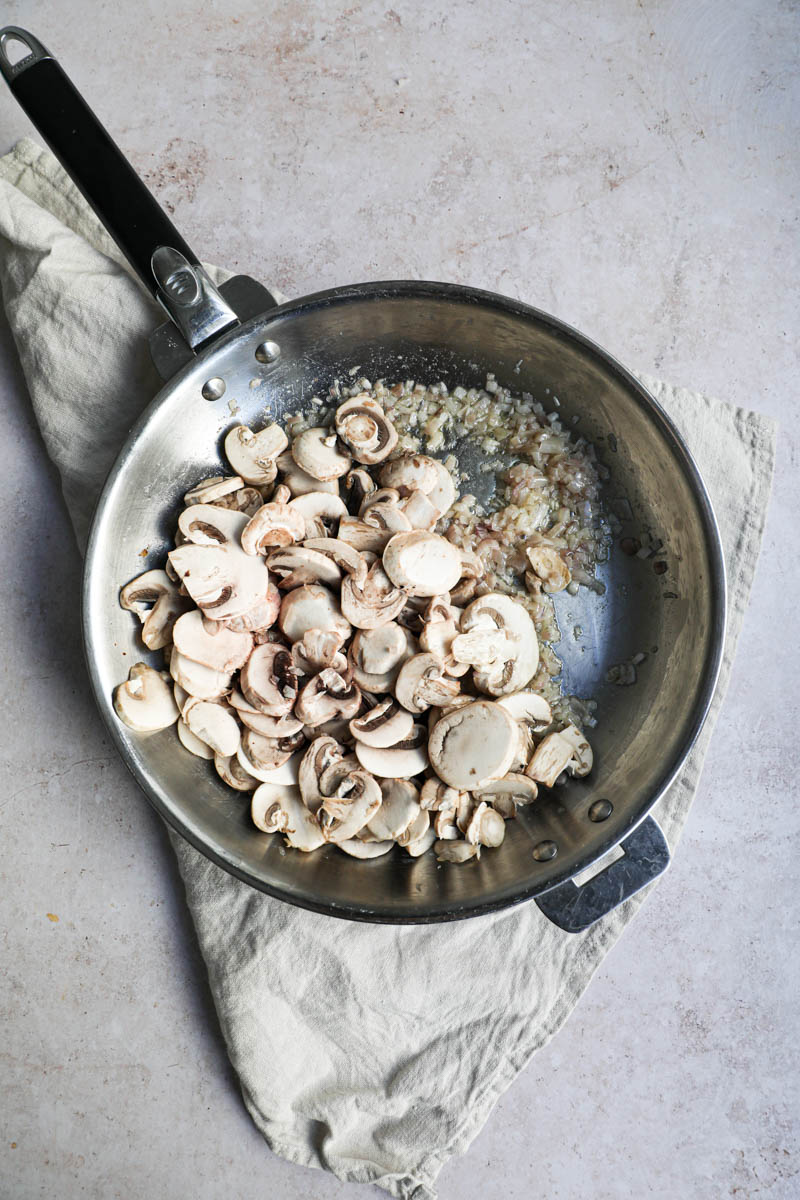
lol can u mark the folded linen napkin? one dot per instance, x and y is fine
(376, 1052)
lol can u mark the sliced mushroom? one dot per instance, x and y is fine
(371, 600)
(401, 761)
(341, 817)
(363, 536)
(455, 852)
(520, 658)
(418, 847)
(486, 827)
(311, 606)
(145, 702)
(318, 510)
(221, 579)
(443, 492)
(231, 771)
(224, 651)
(268, 680)
(422, 563)
(297, 565)
(473, 744)
(548, 565)
(253, 455)
(552, 756)
(359, 849)
(273, 525)
(299, 481)
(473, 570)
(359, 484)
(418, 510)
(399, 808)
(444, 824)
(245, 500)
(438, 631)
(508, 794)
(213, 724)
(582, 757)
(321, 754)
(481, 647)
(436, 795)
(272, 727)
(385, 516)
(261, 617)
(285, 770)
(529, 707)
(203, 683)
(349, 560)
(326, 696)
(376, 656)
(318, 649)
(422, 682)
(277, 808)
(215, 488)
(210, 525)
(317, 452)
(157, 603)
(384, 725)
(416, 830)
(410, 472)
(364, 427)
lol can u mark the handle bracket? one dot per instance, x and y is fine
(645, 857)
(36, 51)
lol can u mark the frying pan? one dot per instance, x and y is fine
(235, 342)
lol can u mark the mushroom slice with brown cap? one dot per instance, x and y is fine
(473, 570)
(213, 724)
(364, 427)
(246, 500)
(410, 472)
(157, 603)
(318, 510)
(399, 808)
(529, 707)
(485, 827)
(272, 727)
(272, 760)
(438, 631)
(268, 680)
(384, 725)
(582, 757)
(358, 849)
(548, 565)
(401, 761)
(297, 565)
(260, 617)
(299, 481)
(455, 852)
(321, 753)
(252, 455)
(349, 560)
(552, 756)
(358, 484)
(277, 808)
(326, 696)
(210, 490)
(317, 452)
(372, 600)
(509, 793)
(422, 682)
(520, 658)
(145, 702)
(379, 496)
(202, 683)
(222, 580)
(341, 817)
(222, 651)
(231, 771)
(422, 563)
(472, 745)
(385, 516)
(376, 656)
(210, 525)
(273, 525)
(311, 607)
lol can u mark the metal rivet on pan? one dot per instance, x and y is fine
(601, 810)
(213, 388)
(267, 352)
(544, 851)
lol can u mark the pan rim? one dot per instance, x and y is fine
(401, 289)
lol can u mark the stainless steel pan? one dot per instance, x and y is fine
(216, 344)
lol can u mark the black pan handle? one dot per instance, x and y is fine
(161, 258)
(574, 907)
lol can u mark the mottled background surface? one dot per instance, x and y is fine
(631, 168)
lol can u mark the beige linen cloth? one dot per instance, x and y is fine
(375, 1052)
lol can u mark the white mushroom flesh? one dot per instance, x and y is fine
(287, 617)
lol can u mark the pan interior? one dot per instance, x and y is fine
(431, 332)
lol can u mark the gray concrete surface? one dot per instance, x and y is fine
(631, 168)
